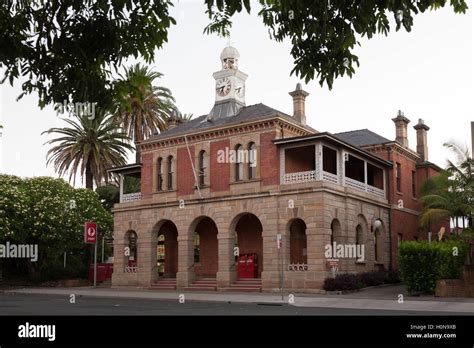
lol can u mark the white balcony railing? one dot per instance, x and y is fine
(330, 177)
(354, 184)
(130, 197)
(361, 186)
(376, 191)
(300, 177)
(310, 176)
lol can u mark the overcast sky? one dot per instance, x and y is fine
(427, 73)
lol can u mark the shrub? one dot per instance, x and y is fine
(392, 277)
(452, 258)
(422, 264)
(358, 281)
(343, 282)
(372, 278)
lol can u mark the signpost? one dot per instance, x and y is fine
(90, 237)
(280, 256)
(333, 264)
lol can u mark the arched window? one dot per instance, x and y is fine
(132, 253)
(359, 234)
(196, 243)
(376, 244)
(159, 170)
(298, 242)
(378, 241)
(335, 232)
(239, 166)
(202, 168)
(170, 172)
(252, 167)
(160, 254)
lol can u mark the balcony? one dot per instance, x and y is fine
(130, 187)
(318, 162)
(130, 197)
(300, 177)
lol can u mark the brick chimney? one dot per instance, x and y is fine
(299, 97)
(401, 125)
(421, 141)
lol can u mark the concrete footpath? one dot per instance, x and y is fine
(382, 298)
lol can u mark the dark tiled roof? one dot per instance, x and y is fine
(361, 137)
(248, 113)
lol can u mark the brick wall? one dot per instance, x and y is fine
(269, 159)
(407, 225)
(219, 172)
(184, 171)
(457, 287)
(406, 221)
(147, 175)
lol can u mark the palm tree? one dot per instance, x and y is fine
(450, 194)
(462, 171)
(88, 146)
(141, 108)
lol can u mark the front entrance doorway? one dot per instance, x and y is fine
(167, 251)
(250, 243)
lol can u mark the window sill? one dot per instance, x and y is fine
(399, 193)
(164, 191)
(245, 181)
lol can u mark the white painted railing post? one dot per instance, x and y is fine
(121, 188)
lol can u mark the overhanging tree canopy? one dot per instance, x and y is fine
(65, 47)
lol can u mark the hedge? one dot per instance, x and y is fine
(421, 264)
(346, 281)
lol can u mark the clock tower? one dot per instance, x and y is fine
(230, 86)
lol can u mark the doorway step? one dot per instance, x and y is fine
(246, 285)
(203, 284)
(164, 284)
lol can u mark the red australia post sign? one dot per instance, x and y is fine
(90, 232)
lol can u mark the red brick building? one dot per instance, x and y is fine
(248, 197)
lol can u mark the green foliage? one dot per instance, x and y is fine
(422, 264)
(131, 184)
(347, 281)
(324, 33)
(450, 194)
(452, 258)
(88, 147)
(51, 213)
(64, 48)
(141, 108)
(108, 195)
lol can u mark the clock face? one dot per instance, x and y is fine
(223, 87)
(240, 90)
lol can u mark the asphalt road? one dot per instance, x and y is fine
(22, 304)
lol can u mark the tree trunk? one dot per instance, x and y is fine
(89, 178)
(138, 138)
(137, 154)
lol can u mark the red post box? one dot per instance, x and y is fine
(252, 266)
(247, 266)
(242, 266)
